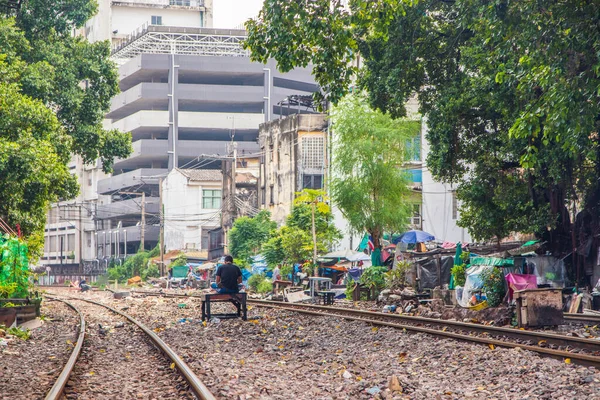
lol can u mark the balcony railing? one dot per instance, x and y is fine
(162, 3)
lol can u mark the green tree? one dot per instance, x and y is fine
(296, 244)
(509, 90)
(55, 91)
(321, 228)
(248, 234)
(369, 184)
(273, 251)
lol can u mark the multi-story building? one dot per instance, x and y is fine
(294, 158)
(118, 20)
(183, 106)
(70, 240)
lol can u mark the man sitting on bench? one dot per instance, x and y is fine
(229, 278)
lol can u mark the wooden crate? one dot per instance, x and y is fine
(539, 307)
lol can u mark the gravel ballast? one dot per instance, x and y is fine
(29, 368)
(284, 355)
(118, 361)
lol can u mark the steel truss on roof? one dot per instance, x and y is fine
(182, 41)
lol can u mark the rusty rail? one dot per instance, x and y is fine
(196, 385)
(57, 389)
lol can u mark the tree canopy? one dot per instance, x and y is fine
(297, 241)
(370, 184)
(55, 90)
(509, 90)
(248, 234)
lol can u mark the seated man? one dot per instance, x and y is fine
(229, 278)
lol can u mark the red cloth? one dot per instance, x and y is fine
(520, 282)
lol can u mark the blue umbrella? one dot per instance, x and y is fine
(414, 236)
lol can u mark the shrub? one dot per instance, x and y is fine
(459, 274)
(286, 271)
(150, 272)
(493, 286)
(397, 277)
(265, 286)
(255, 280)
(350, 288)
(374, 278)
(181, 260)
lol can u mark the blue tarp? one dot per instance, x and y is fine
(355, 273)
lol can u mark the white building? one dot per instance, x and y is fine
(192, 207)
(440, 205)
(69, 239)
(116, 20)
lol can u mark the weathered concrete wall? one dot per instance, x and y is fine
(280, 142)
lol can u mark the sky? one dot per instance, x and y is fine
(230, 13)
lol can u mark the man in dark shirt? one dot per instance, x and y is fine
(229, 277)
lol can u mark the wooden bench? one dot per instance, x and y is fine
(237, 299)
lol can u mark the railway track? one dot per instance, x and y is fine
(582, 318)
(574, 349)
(195, 387)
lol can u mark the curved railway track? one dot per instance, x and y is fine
(577, 350)
(57, 391)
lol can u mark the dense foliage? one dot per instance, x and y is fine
(135, 265)
(54, 91)
(494, 286)
(369, 184)
(510, 91)
(299, 239)
(374, 278)
(248, 234)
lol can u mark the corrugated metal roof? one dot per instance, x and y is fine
(205, 175)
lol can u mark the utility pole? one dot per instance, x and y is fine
(143, 233)
(81, 224)
(161, 215)
(143, 223)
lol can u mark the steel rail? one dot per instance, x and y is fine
(584, 359)
(559, 340)
(198, 388)
(536, 336)
(550, 338)
(57, 389)
(582, 318)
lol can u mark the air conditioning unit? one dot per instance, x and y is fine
(190, 246)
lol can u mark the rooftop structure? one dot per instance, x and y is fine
(153, 39)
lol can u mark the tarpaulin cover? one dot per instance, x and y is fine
(245, 274)
(520, 282)
(428, 272)
(355, 273)
(472, 284)
(548, 270)
(14, 264)
(493, 261)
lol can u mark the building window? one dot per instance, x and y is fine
(204, 239)
(156, 20)
(211, 199)
(313, 152)
(71, 242)
(312, 182)
(413, 149)
(416, 216)
(52, 246)
(180, 3)
(454, 206)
